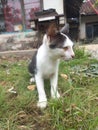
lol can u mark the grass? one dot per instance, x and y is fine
(77, 109)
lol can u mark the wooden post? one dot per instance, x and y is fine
(23, 15)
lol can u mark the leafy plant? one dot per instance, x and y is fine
(80, 52)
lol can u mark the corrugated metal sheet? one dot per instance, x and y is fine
(89, 7)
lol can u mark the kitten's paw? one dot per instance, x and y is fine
(58, 95)
(32, 80)
(42, 104)
(55, 95)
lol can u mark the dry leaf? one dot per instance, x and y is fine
(11, 90)
(31, 87)
(96, 98)
(22, 127)
(64, 76)
(68, 110)
(73, 105)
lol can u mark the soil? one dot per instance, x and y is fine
(92, 49)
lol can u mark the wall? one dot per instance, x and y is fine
(30, 7)
(83, 21)
(12, 15)
(56, 4)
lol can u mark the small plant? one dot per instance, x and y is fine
(80, 52)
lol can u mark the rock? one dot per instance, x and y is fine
(15, 47)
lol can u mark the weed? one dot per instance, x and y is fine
(80, 52)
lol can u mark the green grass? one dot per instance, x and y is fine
(77, 109)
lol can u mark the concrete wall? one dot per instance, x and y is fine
(56, 4)
(83, 21)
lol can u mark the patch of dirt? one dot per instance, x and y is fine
(92, 49)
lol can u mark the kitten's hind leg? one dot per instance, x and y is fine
(32, 79)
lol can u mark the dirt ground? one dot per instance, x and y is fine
(92, 49)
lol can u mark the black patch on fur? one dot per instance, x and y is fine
(57, 41)
(32, 66)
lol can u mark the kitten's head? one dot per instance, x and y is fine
(58, 42)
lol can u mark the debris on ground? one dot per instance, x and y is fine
(87, 71)
(64, 76)
(31, 87)
(84, 74)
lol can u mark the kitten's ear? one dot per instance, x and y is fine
(65, 29)
(52, 30)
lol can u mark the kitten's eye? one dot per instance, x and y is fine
(65, 48)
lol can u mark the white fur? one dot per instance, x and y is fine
(47, 67)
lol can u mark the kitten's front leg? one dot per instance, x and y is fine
(54, 86)
(42, 103)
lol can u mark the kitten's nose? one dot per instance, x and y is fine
(72, 56)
